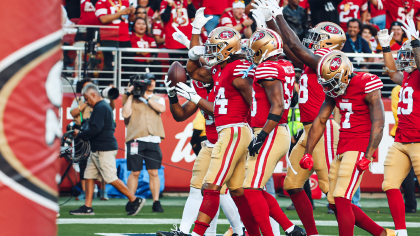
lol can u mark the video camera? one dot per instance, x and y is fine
(109, 92)
(140, 83)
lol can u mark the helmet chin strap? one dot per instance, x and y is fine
(334, 47)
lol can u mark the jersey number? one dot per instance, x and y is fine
(406, 97)
(221, 101)
(254, 104)
(303, 89)
(402, 17)
(348, 108)
(289, 80)
(345, 15)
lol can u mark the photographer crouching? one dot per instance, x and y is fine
(101, 163)
(142, 108)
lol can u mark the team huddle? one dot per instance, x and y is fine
(244, 91)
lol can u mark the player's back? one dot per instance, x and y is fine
(409, 109)
(270, 70)
(230, 107)
(311, 93)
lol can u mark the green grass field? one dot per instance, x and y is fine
(111, 219)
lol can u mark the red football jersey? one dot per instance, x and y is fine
(355, 10)
(355, 114)
(311, 93)
(229, 106)
(398, 10)
(375, 12)
(409, 109)
(107, 7)
(142, 42)
(87, 14)
(215, 7)
(179, 18)
(211, 132)
(228, 18)
(158, 30)
(270, 70)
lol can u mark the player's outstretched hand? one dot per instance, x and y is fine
(187, 92)
(259, 18)
(263, 8)
(181, 38)
(363, 164)
(171, 90)
(410, 30)
(256, 144)
(307, 162)
(384, 38)
(199, 21)
(274, 8)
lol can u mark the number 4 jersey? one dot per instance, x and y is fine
(271, 70)
(355, 114)
(408, 130)
(229, 106)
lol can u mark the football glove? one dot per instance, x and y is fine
(187, 92)
(262, 7)
(410, 29)
(259, 18)
(256, 144)
(196, 52)
(181, 38)
(384, 39)
(171, 90)
(363, 164)
(199, 21)
(307, 162)
(274, 7)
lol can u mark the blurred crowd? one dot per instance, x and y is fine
(151, 23)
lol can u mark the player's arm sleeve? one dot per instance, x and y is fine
(165, 11)
(374, 84)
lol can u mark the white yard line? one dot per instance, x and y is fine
(125, 221)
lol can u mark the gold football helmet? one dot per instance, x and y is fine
(405, 58)
(334, 73)
(222, 43)
(325, 35)
(264, 43)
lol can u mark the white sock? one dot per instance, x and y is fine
(290, 229)
(194, 234)
(401, 232)
(275, 226)
(231, 212)
(191, 208)
(211, 231)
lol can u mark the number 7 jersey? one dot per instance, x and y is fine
(229, 106)
(408, 130)
(271, 70)
(355, 114)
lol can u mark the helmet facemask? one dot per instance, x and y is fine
(334, 87)
(405, 60)
(313, 42)
(213, 53)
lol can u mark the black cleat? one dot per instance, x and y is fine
(174, 232)
(157, 207)
(83, 210)
(136, 206)
(128, 206)
(297, 231)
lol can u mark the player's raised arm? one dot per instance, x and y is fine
(412, 34)
(377, 117)
(289, 37)
(318, 126)
(385, 39)
(195, 68)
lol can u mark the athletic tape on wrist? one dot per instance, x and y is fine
(386, 49)
(274, 117)
(263, 134)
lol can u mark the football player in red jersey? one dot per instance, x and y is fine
(230, 108)
(358, 97)
(323, 38)
(201, 165)
(403, 154)
(272, 93)
(396, 10)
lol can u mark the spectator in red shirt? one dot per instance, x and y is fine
(176, 13)
(158, 33)
(87, 17)
(114, 13)
(141, 12)
(141, 39)
(236, 18)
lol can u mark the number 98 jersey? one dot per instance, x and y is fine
(229, 105)
(409, 109)
(355, 113)
(271, 70)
